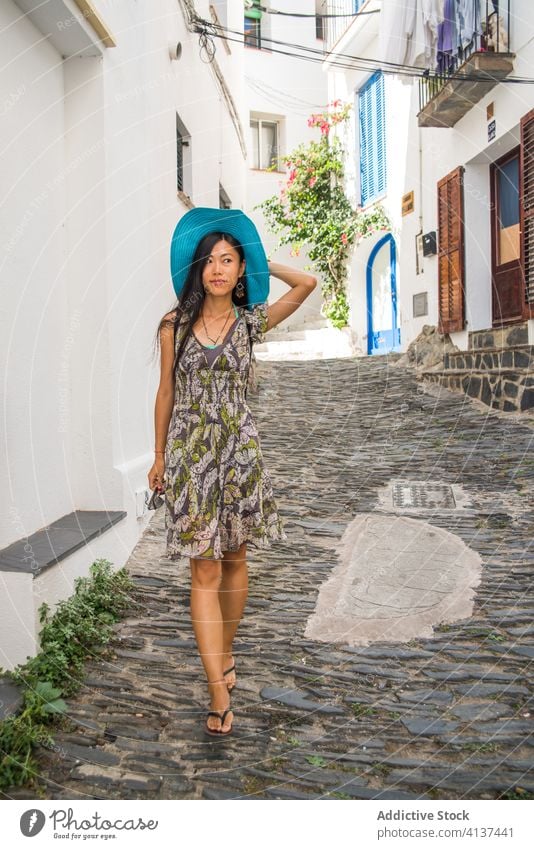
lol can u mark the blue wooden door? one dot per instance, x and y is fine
(383, 332)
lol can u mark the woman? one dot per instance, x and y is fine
(218, 494)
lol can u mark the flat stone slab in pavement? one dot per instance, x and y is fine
(397, 577)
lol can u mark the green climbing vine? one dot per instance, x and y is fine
(312, 210)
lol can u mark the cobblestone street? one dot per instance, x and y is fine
(448, 716)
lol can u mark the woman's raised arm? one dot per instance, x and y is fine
(302, 285)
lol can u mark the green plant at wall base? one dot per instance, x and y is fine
(79, 625)
(312, 210)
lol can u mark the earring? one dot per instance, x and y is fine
(240, 288)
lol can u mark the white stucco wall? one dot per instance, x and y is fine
(287, 89)
(89, 205)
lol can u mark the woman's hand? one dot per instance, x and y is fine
(157, 473)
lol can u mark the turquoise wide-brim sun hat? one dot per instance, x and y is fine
(200, 221)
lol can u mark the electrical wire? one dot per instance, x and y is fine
(345, 61)
(283, 96)
(311, 15)
(284, 104)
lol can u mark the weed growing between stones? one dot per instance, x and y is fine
(380, 769)
(478, 747)
(80, 625)
(253, 785)
(316, 760)
(360, 709)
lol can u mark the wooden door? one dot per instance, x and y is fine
(451, 283)
(506, 288)
(526, 191)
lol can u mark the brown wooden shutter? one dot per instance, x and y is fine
(451, 252)
(526, 184)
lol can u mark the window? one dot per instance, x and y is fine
(179, 161)
(183, 157)
(224, 200)
(252, 25)
(264, 143)
(372, 139)
(507, 218)
(319, 27)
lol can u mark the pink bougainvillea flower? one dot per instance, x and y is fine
(344, 238)
(312, 182)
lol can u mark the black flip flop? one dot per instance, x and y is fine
(212, 732)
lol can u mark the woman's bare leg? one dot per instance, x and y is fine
(207, 622)
(233, 591)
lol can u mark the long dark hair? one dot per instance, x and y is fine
(190, 300)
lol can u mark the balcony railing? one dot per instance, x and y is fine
(462, 80)
(335, 27)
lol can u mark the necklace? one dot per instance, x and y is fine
(224, 325)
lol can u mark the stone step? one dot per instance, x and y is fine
(498, 337)
(487, 359)
(281, 332)
(509, 390)
(320, 343)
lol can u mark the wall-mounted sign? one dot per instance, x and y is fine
(491, 130)
(420, 304)
(408, 204)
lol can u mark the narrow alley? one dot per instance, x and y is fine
(445, 715)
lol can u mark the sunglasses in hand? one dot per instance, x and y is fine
(155, 500)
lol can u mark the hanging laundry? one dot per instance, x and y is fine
(469, 24)
(409, 32)
(397, 21)
(434, 13)
(416, 47)
(423, 44)
(447, 48)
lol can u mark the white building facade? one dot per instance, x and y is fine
(114, 123)
(447, 149)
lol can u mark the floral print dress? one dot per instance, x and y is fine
(218, 493)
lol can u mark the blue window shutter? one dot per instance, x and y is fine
(372, 138)
(380, 136)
